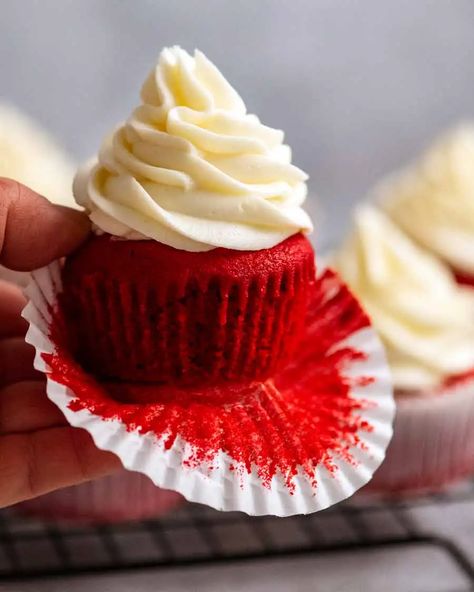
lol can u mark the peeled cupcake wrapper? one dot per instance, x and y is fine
(216, 479)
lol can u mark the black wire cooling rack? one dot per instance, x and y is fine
(196, 535)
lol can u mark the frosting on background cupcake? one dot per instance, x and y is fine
(192, 169)
(424, 318)
(433, 201)
(29, 155)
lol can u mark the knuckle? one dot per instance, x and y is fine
(9, 189)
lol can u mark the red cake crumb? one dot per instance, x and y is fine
(464, 279)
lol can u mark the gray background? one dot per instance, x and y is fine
(358, 86)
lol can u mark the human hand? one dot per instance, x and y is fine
(39, 451)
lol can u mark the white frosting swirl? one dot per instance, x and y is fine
(191, 169)
(434, 201)
(424, 318)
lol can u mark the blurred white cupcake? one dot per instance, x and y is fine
(30, 155)
(433, 200)
(426, 321)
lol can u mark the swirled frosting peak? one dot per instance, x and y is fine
(192, 169)
(433, 201)
(424, 318)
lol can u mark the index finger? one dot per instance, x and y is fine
(33, 231)
(12, 303)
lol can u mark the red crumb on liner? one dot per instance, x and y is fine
(303, 417)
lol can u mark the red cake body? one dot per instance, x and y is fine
(142, 311)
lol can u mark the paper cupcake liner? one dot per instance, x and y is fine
(433, 442)
(333, 403)
(21, 278)
(116, 498)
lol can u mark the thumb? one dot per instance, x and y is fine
(33, 231)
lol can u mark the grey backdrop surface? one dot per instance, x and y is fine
(358, 86)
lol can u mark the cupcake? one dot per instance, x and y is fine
(190, 334)
(197, 209)
(426, 322)
(28, 154)
(433, 201)
(31, 156)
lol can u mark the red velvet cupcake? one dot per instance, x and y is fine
(217, 288)
(143, 311)
(190, 335)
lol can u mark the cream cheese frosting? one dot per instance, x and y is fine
(424, 318)
(192, 169)
(29, 155)
(433, 202)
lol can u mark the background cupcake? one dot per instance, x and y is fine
(433, 201)
(122, 497)
(426, 321)
(31, 156)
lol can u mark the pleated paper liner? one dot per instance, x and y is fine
(433, 441)
(297, 443)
